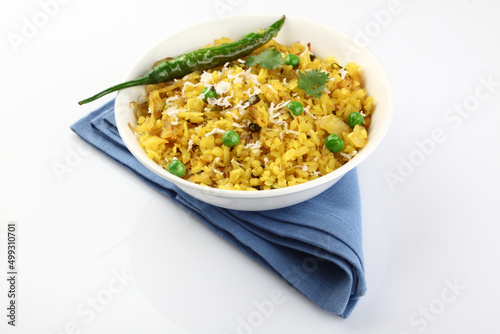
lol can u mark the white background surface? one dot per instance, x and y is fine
(101, 252)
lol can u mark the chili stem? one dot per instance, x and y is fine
(132, 83)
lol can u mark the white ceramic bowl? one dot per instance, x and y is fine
(325, 41)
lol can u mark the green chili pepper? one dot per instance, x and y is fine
(199, 60)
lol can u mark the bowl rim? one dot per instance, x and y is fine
(208, 190)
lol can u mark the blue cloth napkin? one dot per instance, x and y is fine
(315, 246)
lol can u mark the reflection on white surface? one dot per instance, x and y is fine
(202, 283)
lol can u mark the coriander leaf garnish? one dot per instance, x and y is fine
(312, 82)
(269, 58)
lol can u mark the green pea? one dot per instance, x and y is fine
(334, 143)
(355, 118)
(230, 138)
(295, 108)
(292, 59)
(177, 168)
(209, 92)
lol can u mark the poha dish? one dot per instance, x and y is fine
(276, 118)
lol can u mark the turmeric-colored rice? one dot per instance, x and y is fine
(176, 123)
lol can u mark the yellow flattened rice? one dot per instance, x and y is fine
(276, 148)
